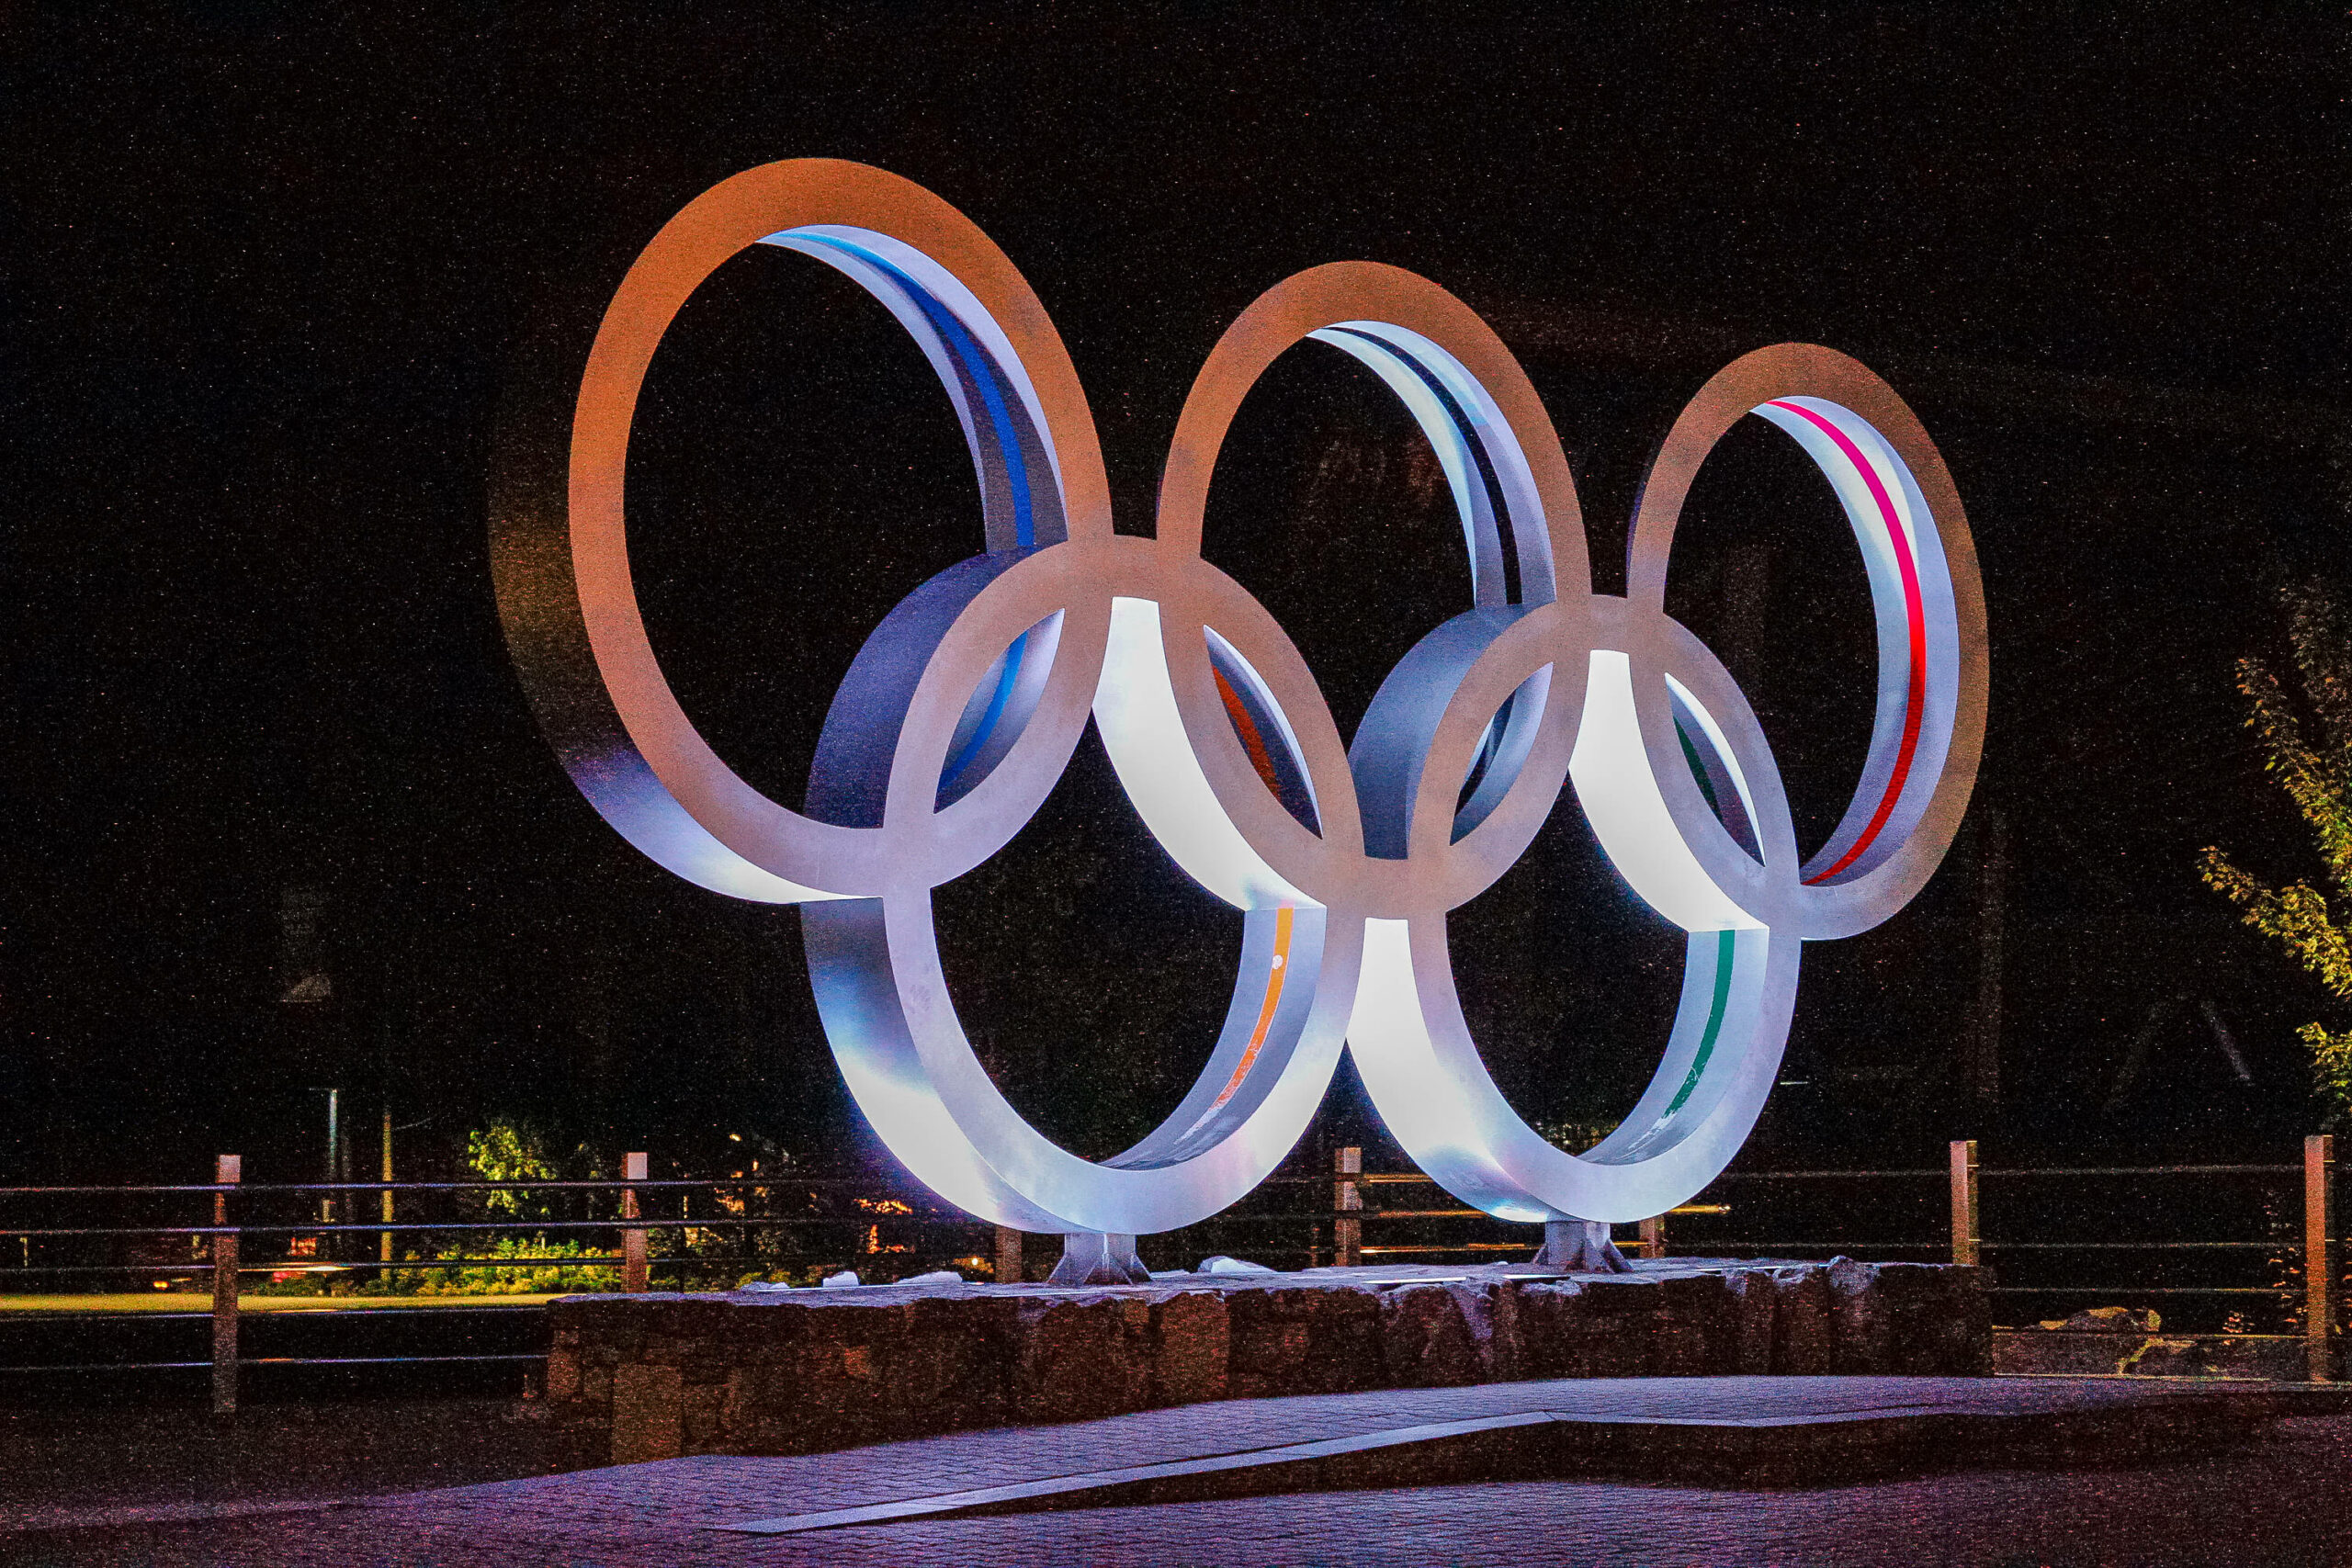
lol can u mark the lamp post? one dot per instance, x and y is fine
(334, 1137)
(334, 1142)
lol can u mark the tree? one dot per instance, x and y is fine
(2304, 730)
(509, 1151)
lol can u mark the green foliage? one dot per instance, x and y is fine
(297, 1284)
(509, 1151)
(555, 1277)
(2305, 734)
(2330, 1064)
(504, 1150)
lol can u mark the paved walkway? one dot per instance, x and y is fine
(127, 1464)
(2287, 1502)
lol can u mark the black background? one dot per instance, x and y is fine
(266, 275)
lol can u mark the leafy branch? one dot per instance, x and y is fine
(2305, 737)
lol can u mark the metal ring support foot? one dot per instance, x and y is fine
(1093, 1258)
(1580, 1246)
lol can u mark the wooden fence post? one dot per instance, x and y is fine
(2318, 1258)
(1964, 1237)
(632, 1242)
(228, 1170)
(1008, 1255)
(1347, 1198)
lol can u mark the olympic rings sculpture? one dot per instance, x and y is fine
(963, 707)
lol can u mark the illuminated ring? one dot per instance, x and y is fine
(964, 706)
(1681, 786)
(979, 685)
(570, 609)
(1905, 514)
(1523, 535)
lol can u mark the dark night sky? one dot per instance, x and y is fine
(266, 275)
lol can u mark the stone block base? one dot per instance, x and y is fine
(646, 1377)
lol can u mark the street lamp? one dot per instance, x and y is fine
(335, 1146)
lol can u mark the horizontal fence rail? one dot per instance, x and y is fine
(1338, 1234)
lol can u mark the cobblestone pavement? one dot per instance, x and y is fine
(2287, 1502)
(101, 1465)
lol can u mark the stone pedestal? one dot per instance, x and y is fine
(653, 1376)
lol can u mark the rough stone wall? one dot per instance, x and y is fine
(814, 1370)
(2274, 1357)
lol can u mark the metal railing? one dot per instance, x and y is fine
(1336, 1235)
(751, 1210)
(330, 1241)
(2317, 1250)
